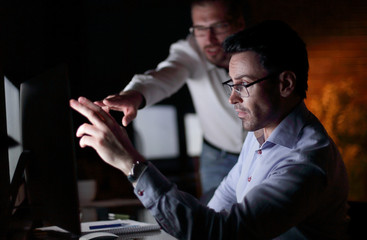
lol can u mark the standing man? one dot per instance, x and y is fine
(200, 62)
(290, 181)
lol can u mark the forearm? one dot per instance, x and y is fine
(174, 210)
(266, 212)
(181, 215)
(159, 84)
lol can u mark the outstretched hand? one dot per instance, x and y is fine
(105, 135)
(127, 102)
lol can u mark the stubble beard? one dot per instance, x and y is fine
(221, 59)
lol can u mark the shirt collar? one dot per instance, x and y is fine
(286, 133)
(210, 66)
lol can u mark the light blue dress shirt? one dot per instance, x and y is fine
(292, 186)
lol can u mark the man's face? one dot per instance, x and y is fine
(261, 108)
(210, 43)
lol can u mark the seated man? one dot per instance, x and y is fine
(289, 182)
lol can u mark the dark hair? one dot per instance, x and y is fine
(279, 46)
(235, 8)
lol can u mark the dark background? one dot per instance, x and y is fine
(104, 42)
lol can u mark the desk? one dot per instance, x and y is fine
(21, 228)
(89, 209)
(154, 235)
(24, 234)
(143, 215)
(159, 235)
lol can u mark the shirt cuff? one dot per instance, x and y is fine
(151, 185)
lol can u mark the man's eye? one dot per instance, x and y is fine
(200, 28)
(221, 25)
(245, 83)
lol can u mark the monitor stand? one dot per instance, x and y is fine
(18, 177)
(15, 215)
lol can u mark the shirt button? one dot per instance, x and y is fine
(259, 151)
(141, 193)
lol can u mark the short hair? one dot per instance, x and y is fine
(235, 8)
(279, 46)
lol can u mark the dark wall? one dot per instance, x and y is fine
(121, 38)
(104, 42)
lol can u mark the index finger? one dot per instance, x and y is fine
(92, 112)
(103, 106)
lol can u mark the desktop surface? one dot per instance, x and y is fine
(149, 235)
(21, 228)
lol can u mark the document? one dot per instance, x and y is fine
(118, 226)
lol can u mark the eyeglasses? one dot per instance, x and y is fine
(216, 28)
(241, 88)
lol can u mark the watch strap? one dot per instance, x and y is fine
(136, 170)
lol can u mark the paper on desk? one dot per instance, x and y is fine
(52, 228)
(118, 226)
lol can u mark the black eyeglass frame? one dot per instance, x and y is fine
(212, 27)
(243, 84)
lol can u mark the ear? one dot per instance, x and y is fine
(287, 80)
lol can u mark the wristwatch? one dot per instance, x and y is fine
(136, 170)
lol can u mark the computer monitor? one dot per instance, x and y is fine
(4, 165)
(12, 113)
(48, 138)
(10, 151)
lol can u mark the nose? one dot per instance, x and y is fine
(211, 36)
(235, 98)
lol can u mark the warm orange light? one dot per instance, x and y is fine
(338, 97)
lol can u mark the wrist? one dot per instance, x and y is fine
(143, 102)
(137, 97)
(136, 171)
(140, 99)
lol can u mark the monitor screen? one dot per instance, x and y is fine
(11, 190)
(48, 136)
(12, 113)
(4, 166)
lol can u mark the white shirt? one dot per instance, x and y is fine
(186, 64)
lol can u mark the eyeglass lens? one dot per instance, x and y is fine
(238, 89)
(219, 28)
